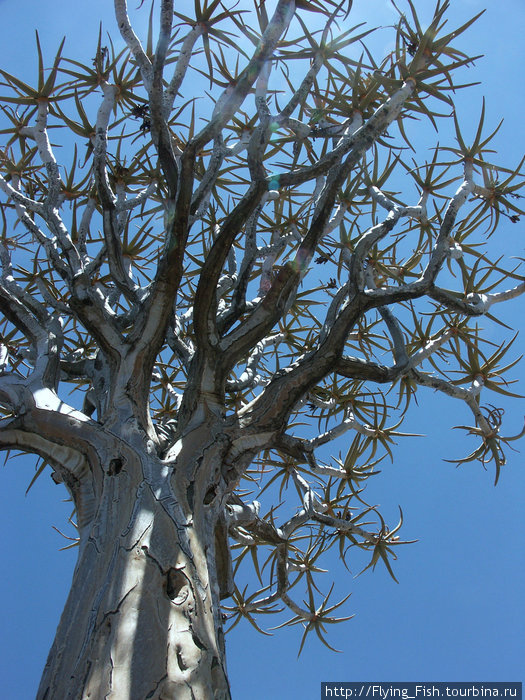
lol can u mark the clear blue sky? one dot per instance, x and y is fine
(458, 611)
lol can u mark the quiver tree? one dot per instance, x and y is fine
(229, 284)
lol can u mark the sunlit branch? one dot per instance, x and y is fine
(50, 300)
(238, 303)
(133, 42)
(46, 155)
(469, 396)
(161, 51)
(32, 325)
(181, 67)
(20, 198)
(302, 91)
(183, 351)
(314, 509)
(431, 347)
(355, 143)
(108, 199)
(317, 63)
(85, 222)
(128, 204)
(483, 302)
(48, 209)
(250, 378)
(400, 353)
(366, 242)
(232, 99)
(442, 244)
(202, 193)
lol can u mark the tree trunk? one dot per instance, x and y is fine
(142, 619)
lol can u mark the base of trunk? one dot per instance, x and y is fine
(142, 619)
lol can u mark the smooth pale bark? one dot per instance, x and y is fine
(143, 617)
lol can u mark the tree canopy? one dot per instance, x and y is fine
(243, 236)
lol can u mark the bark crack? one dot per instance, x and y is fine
(151, 694)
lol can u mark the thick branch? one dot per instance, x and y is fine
(133, 42)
